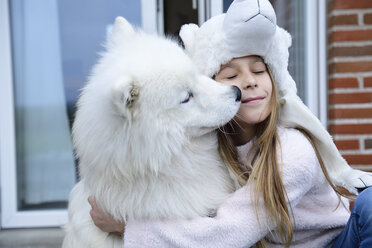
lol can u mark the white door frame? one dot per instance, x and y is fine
(11, 217)
(216, 7)
(316, 58)
(149, 17)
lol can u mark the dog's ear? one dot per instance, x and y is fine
(187, 34)
(122, 29)
(124, 96)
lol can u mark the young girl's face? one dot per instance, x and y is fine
(251, 76)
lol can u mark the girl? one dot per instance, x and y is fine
(287, 197)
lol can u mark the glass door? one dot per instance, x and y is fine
(51, 46)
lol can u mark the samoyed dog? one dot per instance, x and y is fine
(144, 136)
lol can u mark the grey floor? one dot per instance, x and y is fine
(31, 238)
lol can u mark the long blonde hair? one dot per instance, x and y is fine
(265, 170)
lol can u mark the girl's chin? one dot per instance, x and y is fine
(248, 120)
(252, 118)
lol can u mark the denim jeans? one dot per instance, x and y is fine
(358, 230)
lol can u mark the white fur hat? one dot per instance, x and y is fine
(249, 28)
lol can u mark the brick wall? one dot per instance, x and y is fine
(350, 79)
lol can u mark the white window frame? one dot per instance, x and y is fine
(216, 7)
(11, 217)
(316, 59)
(149, 17)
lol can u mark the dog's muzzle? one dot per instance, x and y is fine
(238, 93)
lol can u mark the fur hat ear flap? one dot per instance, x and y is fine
(124, 96)
(122, 29)
(187, 34)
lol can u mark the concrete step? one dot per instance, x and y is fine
(31, 238)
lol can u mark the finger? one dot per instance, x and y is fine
(91, 201)
(91, 213)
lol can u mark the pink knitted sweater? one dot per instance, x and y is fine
(317, 220)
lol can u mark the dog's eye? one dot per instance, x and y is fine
(189, 96)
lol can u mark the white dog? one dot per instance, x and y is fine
(144, 135)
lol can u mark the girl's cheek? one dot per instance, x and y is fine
(227, 82)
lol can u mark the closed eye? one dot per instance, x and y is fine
(189, 96)
(231, 77)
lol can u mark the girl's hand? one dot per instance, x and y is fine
(104, 221)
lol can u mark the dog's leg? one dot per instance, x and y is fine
(81, 231)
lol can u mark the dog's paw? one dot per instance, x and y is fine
(356, 179)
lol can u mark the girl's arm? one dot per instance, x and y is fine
(236, 223)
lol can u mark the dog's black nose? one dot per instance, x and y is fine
(238, 94)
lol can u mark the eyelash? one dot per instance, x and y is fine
(255, 72)
(190, 95)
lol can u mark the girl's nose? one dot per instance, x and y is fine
(250, 82)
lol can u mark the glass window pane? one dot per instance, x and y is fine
(54, 45)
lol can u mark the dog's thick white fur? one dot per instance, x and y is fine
(144, 135)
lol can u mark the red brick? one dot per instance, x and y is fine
(339, 98)
(367, 81)
(343, 83)
(358, 113)
(343, 20)
(350, 4)
(343, 67)
(351, 35)
(350, 51)
(350, 129)
(368, 18)
(347, 144)
(362, 159)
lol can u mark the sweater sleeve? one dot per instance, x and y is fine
(235, 224)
